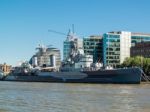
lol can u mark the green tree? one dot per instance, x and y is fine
(138, 61)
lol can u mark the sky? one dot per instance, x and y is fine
(24, 24)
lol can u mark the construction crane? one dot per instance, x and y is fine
(53, 31)
(74, 54)
(69, 33)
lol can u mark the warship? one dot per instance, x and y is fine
(119, 76)
(77, 68)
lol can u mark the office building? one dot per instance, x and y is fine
(116, 47)
(46, 57)
(139, 37)
(93, 46)
(72, 42)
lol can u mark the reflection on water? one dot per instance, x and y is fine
(60, 97)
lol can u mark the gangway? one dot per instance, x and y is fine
(145, 77)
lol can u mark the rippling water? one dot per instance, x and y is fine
(59, 97)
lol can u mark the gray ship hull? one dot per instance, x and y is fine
(119, 76)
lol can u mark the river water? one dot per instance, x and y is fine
(60, 97)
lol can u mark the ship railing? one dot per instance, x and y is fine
(90, 69)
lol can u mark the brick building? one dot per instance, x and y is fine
(5, 68)
(141, 49)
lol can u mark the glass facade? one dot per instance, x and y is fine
(138, 38)
(111, 49)
(66, 49)
(68, 44)
(93, 46)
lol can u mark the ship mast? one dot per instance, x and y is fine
(71, 38)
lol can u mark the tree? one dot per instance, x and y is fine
(138, 61)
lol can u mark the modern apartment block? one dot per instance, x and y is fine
(116, 47)
(93, 46)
